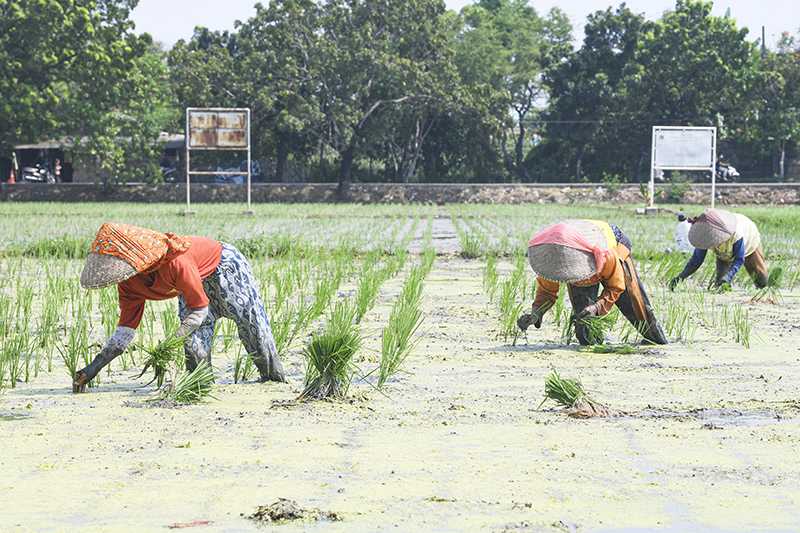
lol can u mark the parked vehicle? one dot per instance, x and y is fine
(37, 174)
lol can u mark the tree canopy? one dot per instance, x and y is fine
(345, 90)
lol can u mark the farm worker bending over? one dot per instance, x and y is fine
(210, 279)
(735, 241)
(583, 254)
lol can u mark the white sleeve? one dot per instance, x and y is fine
(120, 340)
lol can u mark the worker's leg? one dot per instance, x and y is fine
(756, 266)
(580, 298)
(635, 306)
(236, 294)
(197, 346)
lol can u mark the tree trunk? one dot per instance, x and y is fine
(782, 161)
(518, 153)
(345, 172)
(578, 164)
(282, 157)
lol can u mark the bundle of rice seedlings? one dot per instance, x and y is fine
(191, 387)
(772, 292)
(597, 327)
(159, 357)
(570, 394)
(329, 355)
(623, 349)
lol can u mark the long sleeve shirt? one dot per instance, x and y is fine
(699, 256)
(612, 277)
(182, 276)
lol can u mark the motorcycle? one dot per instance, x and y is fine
(726, 172)
(37, 174)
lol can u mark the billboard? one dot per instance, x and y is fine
(218, 130)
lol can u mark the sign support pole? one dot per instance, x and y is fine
(188, 210)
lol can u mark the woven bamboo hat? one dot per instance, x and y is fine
(101, 270)
(563, 263)
(712, 228)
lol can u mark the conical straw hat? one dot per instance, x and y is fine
(564, 264)
(102, 270)
(712, 228)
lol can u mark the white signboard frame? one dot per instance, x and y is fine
(683, 148)
(217, 129)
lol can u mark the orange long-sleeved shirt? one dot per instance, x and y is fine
(612, 277)
(183, 276)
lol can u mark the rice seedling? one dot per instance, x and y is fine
(243, 366)
(404, 320)
(470, 246)
(76, 346)
(742, 326)
(490, 276)
(190, 387)
(570, 394)
(167, 353)
(772, 292)
(329, 355)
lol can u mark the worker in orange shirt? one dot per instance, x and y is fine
(585, 254)
(210, 279)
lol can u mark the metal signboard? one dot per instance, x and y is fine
(683, 148)
(212, 129)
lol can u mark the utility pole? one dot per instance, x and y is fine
(763, 42)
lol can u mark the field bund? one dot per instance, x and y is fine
(389, 193)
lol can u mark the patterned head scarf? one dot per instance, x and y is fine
(712, 228)
(143, 249)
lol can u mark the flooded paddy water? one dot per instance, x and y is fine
(706, 436)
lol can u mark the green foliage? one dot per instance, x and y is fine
(77, 71)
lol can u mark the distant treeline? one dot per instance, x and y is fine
(403, 91)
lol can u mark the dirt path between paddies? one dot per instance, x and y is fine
(712, 443)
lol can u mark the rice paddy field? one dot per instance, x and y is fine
(433, 418)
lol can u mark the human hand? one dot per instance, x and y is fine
(588, 312)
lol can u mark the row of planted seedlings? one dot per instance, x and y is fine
(330, 355)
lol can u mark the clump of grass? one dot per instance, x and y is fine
(570, 394)
(191, 387)
(161, 356)
(329, 355)
(772, 292)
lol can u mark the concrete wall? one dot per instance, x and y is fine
(398, 193)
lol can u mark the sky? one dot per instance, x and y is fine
(170, 20)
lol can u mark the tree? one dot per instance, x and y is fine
(506, 45)
(278, 55)
(65, 69)
(375, 56)
(774, 120)
(588, 104)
